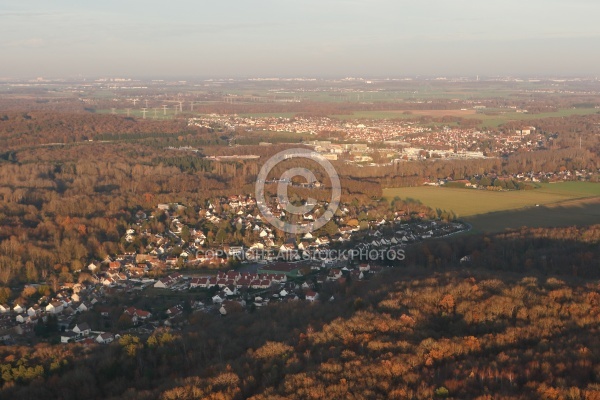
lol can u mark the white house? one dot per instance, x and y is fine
(311, 296)
(105, 338)
(83, 307)
(82, 329)
(54, 307)
(284, 248)
(322, 240)
(67, 337)
(33, 310)
(365, 267)
(18, 309)
(162, 283)
(108, 281)
(334, 274)
(92, 267)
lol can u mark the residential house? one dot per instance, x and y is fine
(55, 307)
(105, 338)
(68, 336)
(198, 282)
(311, 296)
(174, 311)
(33, 310)
(82, 329)
(321, 241)
(334, 274)
(82, 307)
(137, 314)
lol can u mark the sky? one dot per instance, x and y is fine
(310, 38)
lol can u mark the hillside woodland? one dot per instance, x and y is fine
(406, 334)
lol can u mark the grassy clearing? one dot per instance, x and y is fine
(497, 120)
(269, 115)
(568, 213)
(488, 120)
(405, 114)
(560, 204)
(468, 202)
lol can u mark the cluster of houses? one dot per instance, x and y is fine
(238, 280)
(407, 140)
(67, 303)
(275, 288)
(532, 177)
(239, 211)
(83, 333)
(375, 131)
(169, 281)
(272, 281)
(63, 304)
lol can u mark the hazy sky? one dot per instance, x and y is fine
(57, 38)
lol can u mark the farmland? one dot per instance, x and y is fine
(406, 114)
(558, 204)
(568, 213)
(488, 119)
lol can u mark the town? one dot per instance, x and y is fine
(236, 262)
(356, 142)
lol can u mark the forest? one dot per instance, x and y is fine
(422, 333)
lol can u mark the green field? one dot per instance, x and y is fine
(568, 213)
(488, 120)
(558, 204)
(497, 120)
(269, 115)
(388, 91)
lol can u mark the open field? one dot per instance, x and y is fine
(405, 114)
(468, 202)
(269, 115)
(568, 213)
(559, 203)
(387, 91)
(488, 120)
(491, 120)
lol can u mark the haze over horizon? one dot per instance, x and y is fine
(289, 38)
